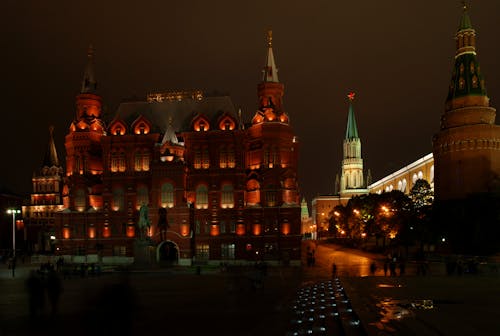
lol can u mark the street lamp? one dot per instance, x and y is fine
(13, 212)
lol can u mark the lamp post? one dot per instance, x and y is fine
(13, 212)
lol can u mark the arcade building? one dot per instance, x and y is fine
(181, 171)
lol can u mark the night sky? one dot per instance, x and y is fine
(396, 55)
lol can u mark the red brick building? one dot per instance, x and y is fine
(211, 186)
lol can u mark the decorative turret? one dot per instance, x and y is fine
(351, 180)
(51, 159)
(270, 72)
(270, 90)
(352, 129)
(465, 149)
(89, 84)
(467, 86)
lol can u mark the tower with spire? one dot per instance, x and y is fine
(351, 179)
(84, 162)
(45, 200)
(466, 153)
(467, 147)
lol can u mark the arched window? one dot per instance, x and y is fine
(142, 196)
(414, 178)
(205, 159)
(197, 158)
(404, 186)
(432, 174)
(227, 196)
(80, 200)
(222, 157)
(231, 158)
(400, 186)
(141, 161)
(420, 175)
(202, 197)
(167, 195)
(118, 199)
(253, 192)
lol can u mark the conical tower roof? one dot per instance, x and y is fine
(352, 129)
(467, 79)
(270, 72)
(89, 83)
(51, 159)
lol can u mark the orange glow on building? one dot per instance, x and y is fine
(91, 232)
(106, 232)
(19, 224)
(214, 230)
(184, 230)
(130, 231)
(240, 229)
(285, 228)
(257, 229)
(66, 233)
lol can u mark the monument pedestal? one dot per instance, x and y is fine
(144, 253)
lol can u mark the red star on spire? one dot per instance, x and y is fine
(351, 96)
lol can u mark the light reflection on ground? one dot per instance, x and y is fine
(390, 309)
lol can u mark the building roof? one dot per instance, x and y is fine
(51, 159)
(465, 22)
(181, 112)
(89, 83)
(270, 72)
(467, 78)
(352, 130)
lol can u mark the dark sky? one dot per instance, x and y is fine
(396, 55)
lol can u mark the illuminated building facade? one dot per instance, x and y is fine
(45, 201)
(216, 188)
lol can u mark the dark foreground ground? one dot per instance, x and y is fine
(180, 302)
(172, 303)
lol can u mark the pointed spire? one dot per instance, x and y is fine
(170, 136)
(51, 159)
(467, 79)
(465, 22)
(89, 84)
(241, 125)
(270, 72)
(352, 129)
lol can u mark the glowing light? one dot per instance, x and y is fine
(351, 96)
(257, 229)
(285, 228)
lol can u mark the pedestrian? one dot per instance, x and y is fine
(392, 267)
(386, 265)
(334, 270)
(402, 267)
(373, 268)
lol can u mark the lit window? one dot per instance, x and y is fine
(205, 158)
(167, 195)
(202, 197)
(142, 196)
(202, 251)
(227, 251)
(141, 161)
(197, 158)
(227, 196)
(118, 199)
(80, 200)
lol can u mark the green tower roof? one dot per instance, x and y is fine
(465, 20)
(352, 129)
(467, 78)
